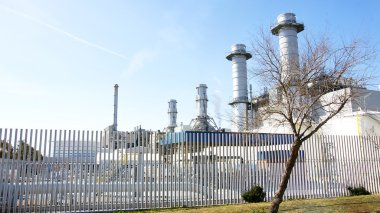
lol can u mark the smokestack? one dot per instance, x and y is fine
(286, 29)
(239, 57)
(172, 112)
(202, 122)
(201, 100)
(115, 108)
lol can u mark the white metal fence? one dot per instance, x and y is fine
(62, 170)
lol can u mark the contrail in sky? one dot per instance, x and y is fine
(59, 30)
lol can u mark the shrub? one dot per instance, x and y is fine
(355, 191)
(256, 194)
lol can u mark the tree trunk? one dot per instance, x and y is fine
(277, 200)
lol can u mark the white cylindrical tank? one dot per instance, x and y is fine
(201, 100)
(239, 57)
(172, 113)
(287, 29)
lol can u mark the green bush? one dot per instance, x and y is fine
(255, 195)
(355, 191)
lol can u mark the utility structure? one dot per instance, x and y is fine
(287, 29)
(202, 122)
(239, 102)
(110, 132)
(115, 106)
(172, 113)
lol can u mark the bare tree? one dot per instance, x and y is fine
(321, 82)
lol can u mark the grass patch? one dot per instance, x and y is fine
(368, 203)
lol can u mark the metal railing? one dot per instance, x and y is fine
(63, 170)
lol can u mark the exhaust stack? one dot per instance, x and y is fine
(115, 106)
(287, 29)
(239, 103)
(172, 112)
(203, 122)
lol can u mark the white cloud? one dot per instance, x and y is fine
(139, 60)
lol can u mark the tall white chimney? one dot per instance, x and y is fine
(201, 100)
(172, 112)
(287, 29)
(115, 106)
(239, 57)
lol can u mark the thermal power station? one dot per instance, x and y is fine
(202, 122)
(287, 29)
(172, 113)
(239, 102)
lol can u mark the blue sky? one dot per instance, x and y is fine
(60, 59)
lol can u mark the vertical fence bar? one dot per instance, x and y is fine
(172, 169)
(62, 165)
(181, 167)
(209, 164)
(80, 165)
(369, 149)
(29, 171)
(125, 169)
(308, 165)
(223, 166)
(144, 193)
(6, 152)
(341, 150)
(174, 164)
(217, 145)
(270, 162)
(142, 167)
(315, 166)
(246, 172)
(6, 148)
(347, 161)
(70, 156)
(157, 203)
(97, 160)
(364, 161)
(152, 178)
(49, 182)
(18, 195)
(248, 162)
(115, 172)
(87, 191)
(11, 185)
(135, 167)
(92, 176)
(332, 167)
(65, 165)
(214, 159)
(240, 158)
(162, 172)
(376, 162)
(320, 163)
(355, 156)
(25, 198)
(55, 171)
